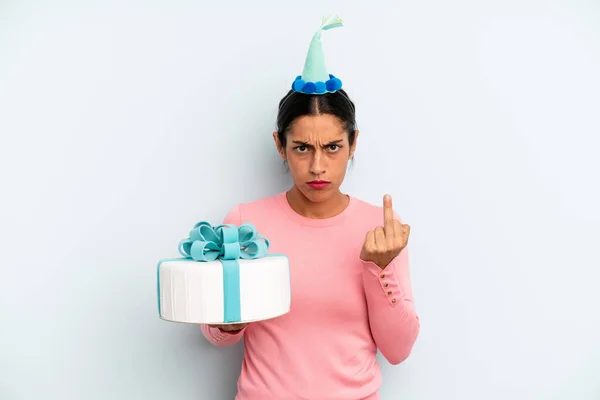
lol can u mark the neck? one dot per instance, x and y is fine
(328, 208)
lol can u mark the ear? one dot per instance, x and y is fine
(278, 146)
(353, 148)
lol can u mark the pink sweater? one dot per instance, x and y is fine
(342, 309)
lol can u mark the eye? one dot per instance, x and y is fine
(334, 147)
(300, 148)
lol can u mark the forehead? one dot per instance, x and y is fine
(322, 128)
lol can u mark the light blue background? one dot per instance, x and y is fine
(121, 120)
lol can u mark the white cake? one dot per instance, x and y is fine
(194, 292)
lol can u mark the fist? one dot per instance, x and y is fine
(229, 327)
(384, 243)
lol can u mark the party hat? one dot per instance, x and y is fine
(315, 79)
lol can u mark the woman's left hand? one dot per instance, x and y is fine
(384, 243)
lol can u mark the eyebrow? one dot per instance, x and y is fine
(300, 143)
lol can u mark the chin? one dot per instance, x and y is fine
(317, 196)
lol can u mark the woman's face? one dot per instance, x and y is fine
(317, 152)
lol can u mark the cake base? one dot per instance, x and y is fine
(197, 292)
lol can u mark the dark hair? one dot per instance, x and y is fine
(295, 105)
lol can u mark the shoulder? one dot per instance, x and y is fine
(371, 212)
(253, 210)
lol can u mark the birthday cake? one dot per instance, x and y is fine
(224, 276)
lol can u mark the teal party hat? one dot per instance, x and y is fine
(315, 79)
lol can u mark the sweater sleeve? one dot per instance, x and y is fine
(392, 316)
(216, 336)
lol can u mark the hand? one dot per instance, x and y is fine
(229, 327)
(385, 242)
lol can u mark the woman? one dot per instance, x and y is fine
(351, 293)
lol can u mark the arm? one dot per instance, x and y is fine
(392, 316)
(215, 335)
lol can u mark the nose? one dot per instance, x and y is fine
(316, 165)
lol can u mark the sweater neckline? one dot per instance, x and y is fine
(282, 201)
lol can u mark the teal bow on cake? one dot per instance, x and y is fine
(226, 243)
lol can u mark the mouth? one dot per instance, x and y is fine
(318, 184)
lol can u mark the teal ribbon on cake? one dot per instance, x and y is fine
(226, 243)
